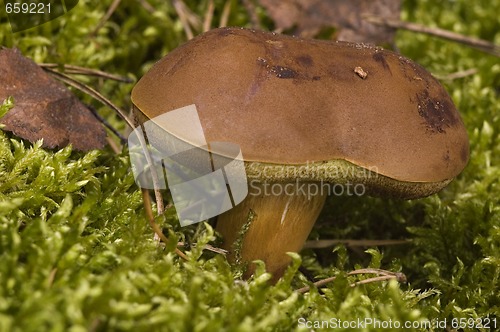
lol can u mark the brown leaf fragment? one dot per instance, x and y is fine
(308, 17)
(44, 108)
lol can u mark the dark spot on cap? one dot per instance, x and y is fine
(276, 70)
(464, 153)
(437, 113)
(379, 57)
(316, 78)
(446, 156)
(283, 72)
(304, 60)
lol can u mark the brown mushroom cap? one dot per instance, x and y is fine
(291, 101)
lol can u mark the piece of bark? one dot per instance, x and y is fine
(44, 108)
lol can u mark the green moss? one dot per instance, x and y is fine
(7, 104)
(241, 235)
(76, 253)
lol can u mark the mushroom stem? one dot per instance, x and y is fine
(265, 226)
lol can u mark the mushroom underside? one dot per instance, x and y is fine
(284, 202)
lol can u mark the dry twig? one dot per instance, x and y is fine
(154, 225)
(106, 17)
(382, 275)
(251, 10)
(77, 70)
(457, 75)
(123, 140)
(352, 243)
(150, 9)
(209, 15)
(479, 44)
(187, 17)
(225, 14)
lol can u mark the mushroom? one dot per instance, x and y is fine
(309, 116)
